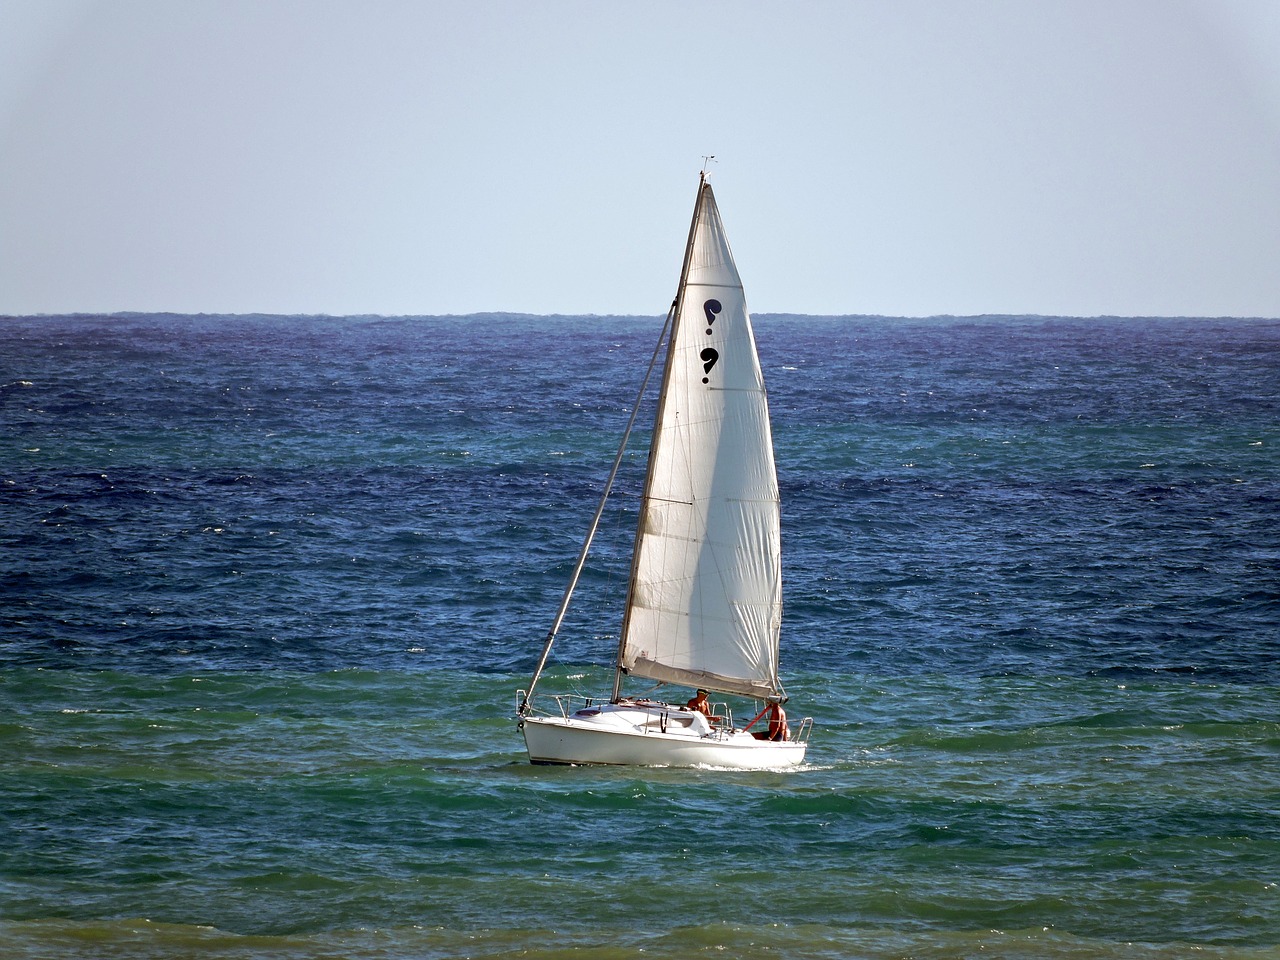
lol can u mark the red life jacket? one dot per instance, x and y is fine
(778, 729)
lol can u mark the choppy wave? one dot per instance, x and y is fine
(141, 939)
(274, 582)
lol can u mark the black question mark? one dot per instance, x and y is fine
(709, 357)
(711, 308)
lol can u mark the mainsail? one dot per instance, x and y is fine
(705, 603)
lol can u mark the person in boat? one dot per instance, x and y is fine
(777, 730)
(699, 703)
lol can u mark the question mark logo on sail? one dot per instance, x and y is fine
(711, 308)
(709, 358)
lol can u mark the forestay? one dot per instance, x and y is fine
(705, 603)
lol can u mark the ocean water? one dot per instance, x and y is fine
(269, 585)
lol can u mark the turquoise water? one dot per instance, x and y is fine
(271, 585)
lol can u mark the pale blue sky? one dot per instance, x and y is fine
(912, 157)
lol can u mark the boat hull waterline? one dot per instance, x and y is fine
(616, 734)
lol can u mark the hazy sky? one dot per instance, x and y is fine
(905, 157)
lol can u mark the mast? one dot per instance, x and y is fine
(676, 306)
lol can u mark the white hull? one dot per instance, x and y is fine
(635, 735)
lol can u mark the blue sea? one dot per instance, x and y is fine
(269, 585)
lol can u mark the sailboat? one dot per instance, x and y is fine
(704, 599)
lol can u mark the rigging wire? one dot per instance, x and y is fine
(595, 521)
